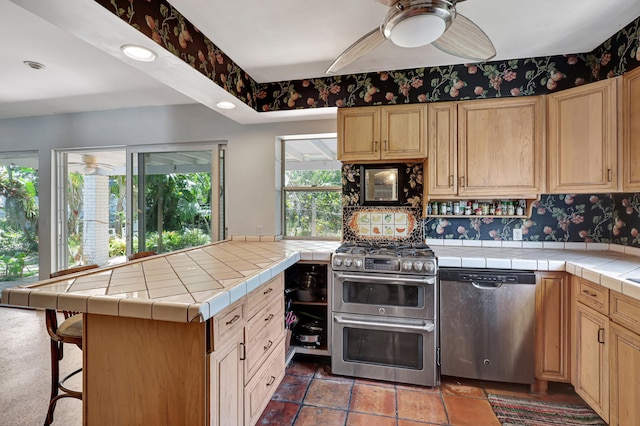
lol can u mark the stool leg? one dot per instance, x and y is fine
(55, 379)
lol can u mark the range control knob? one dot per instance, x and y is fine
(407, 265)
(347, 262)
(357, 263)
(429, 267)
(337, 261)
(418, 266)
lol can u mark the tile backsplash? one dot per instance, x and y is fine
(383, 223)
(593, 218)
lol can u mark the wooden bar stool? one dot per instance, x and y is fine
(141, 254)
(68, 331)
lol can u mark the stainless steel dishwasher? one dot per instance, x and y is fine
(487, 320)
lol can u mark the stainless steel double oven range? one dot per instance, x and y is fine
(384, 311)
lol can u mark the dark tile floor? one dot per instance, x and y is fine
(310, 395)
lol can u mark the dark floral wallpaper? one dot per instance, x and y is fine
(517, 77)
(601, 218)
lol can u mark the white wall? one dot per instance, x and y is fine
(251, 154)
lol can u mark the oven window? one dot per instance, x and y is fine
(389, 348)
(383, 294)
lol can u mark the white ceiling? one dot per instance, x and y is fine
(79, 42)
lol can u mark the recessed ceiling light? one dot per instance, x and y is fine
(225, 105)
(138, 53)
(34, 65)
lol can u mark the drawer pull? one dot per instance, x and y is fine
(386, 145)
(233, 320)
(588, 293)
(267, 291)
(272, 379)
(601, 335)
(243, 353)
(268, 345)
(267, 319)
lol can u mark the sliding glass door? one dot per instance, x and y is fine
(114, 202)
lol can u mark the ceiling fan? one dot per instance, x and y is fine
(413, 23)
(89, 165)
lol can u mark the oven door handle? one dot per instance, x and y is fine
(382, 278)
(339, 319)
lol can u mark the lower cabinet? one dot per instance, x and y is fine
(226, 379)
(248, 361)
(592, 359)
(553, 313)
(625, 377)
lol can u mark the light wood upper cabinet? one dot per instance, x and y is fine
(486, 147)
(443, 161)
(582, 138)
(394, 132)
(553, 312)
(631, 131)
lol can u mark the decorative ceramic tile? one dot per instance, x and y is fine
(382, 224)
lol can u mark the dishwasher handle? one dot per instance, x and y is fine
(486, 286)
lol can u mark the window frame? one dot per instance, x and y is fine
(284, 190)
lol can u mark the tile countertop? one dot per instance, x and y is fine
(186, 286)
(195, 284)
(610, 266)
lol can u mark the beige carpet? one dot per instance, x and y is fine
(25, 371)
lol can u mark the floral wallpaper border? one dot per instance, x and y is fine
(161, 22)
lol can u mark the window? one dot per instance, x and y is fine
(19, 258)
(312, 187)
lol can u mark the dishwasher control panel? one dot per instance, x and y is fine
(488, 276)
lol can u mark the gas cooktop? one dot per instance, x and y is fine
(415, 259)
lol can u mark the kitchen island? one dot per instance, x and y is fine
(196, 336)
(190, 337)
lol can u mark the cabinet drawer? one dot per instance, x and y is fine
(260, 390)
(593, 295)
(273, 312)
(264, 294)
(625, 311)
(259, 348)
(226, 324)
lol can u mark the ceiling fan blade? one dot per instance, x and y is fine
(388, 2)
(357, 50)
(465, 39)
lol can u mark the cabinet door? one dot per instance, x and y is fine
(443, 156)
(582, 134)
(592, 358)
(500, 146)
(625, 376)
(552, 327)
(631, 131)
(226, 384)
(359, 134)
(403, 134)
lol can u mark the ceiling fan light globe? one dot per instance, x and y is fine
(416, 23)
(418, 30)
